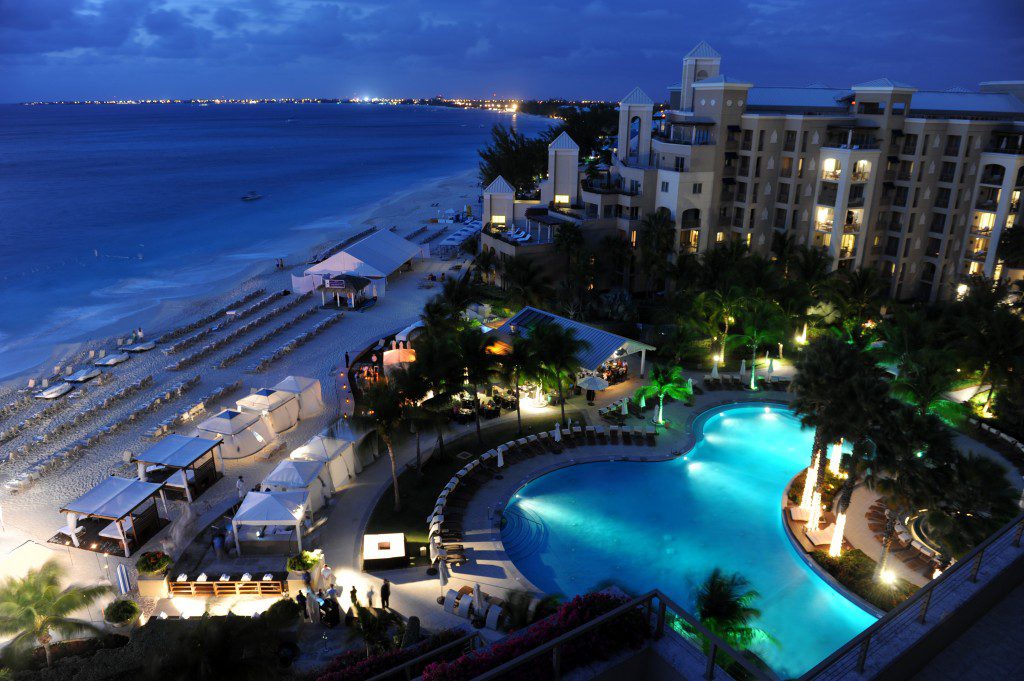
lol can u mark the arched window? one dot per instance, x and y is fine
(633, 150)
(1020, 178)
(993, 173)
(830, 169)
(702, 74)
(690, 219)
(861, 170)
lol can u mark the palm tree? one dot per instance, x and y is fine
(414, 388)
(519, 159)
(762, 323)
(857, 297)
(379, 410)
(725, 606)
(436, 362)
(525, 282)
(522, 361)
(925, 379)
(996, 340)
(568, 241)
(888, 534)
(486, 263)
(656, 239)
(457, 293)
(723, 306)
(472, 346)
(558, 349)
(34, 607)
(665, 383)
(824, 364)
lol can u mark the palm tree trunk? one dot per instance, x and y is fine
(753, 371)
(817, 462)
(49, 651)
(561, 399)
(661, 408)
(394, 471)
(519, 413)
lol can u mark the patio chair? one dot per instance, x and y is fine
(614, 432)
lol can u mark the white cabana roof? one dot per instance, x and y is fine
(320, 448)
(177, 451)
(374, 256)
(271, 508)
(404, 334)
(267, 399)
(295, 384)
(294, 473)
(113, 498)
(229, 422)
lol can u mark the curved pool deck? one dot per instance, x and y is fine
(665, 522)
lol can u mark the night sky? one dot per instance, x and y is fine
(108, 49)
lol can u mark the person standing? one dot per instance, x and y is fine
(354, 596)
(240, 487)
(300, 598)
(385, 594)
(346, 359)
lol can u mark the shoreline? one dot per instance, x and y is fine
(323, 232)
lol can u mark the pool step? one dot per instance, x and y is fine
(523, 533)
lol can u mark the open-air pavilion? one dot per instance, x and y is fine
(373, 258)
(187, 466)
(116, 515)
(270, 522)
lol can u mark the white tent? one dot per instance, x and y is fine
(279, 407)
(243, 434)
(300, 476)
(277, 509)
(308, 392)
(375, 257)
(338, 455)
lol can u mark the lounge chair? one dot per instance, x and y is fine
(799, 514)
(614, 433)
(465, 606)
(591, 433)
(495, 617)
(650, 436)
(602, 435)
(627, 435)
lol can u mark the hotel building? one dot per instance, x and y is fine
(919, 185)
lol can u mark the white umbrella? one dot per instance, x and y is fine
(689, 384)
(501, 459)
(743, 367)
(433, 549)
(558, 433)
(714, 371)
(625, 407)
(643, 401)
(771, 366)
(592, 383)
(442, 573)
(478, 598)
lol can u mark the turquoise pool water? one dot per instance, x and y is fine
(667, 524)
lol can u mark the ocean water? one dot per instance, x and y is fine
(108, 210)
(666, 525)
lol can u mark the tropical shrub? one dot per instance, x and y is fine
(856, 572)
(121, 611)
(627, 631)
(354, 665)
(303, 561)
(282, 613)
(152, 562)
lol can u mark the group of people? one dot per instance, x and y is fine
(323, 606)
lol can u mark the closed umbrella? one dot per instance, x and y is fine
(592, 383)
(771, 367)
(625, 407)
(643, 401)
(433, 549)
(442, 573)
(743, 367)
(714, 370)
(478, 599)
(501, 459)
(689, 385)
(558, 433)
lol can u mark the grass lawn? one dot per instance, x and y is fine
(419, 493)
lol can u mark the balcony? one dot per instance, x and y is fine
(904, 176)
(723, 221)
(851, 227)
(677, 137)
(986, 204)
(823, 225)
(990, 178)
(732, 145)
(976, 256)
(690, 225)
(846, 253)
(831, 175)
(860, 177)
(728, 197)
(947, 177)
(828, 195)
(855, 202)
(729, 171)
(607, 187)
(951, 150)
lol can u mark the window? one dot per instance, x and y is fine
(786, 169)
(760, 140)
(719, 237)
(680, 166)
(789, 141)
(608, 211)
(942, 198)
(948, 173)
(871, 108)
(899, 108)
(910, 144)
(932, 250)
(697, 188)
(562, 198)
(664, 187)
(497, 219)
(748, 137)
(803, 141)
(783, 193)
(757, 166)
(800, 166)
(780, 218)
(952, 145)
(938, 223)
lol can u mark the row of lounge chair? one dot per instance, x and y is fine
(210, 318)
(296, 342)
(737, 382)
(462, 603)
(255, 343)
(914, 554)
(997, 435)
(231, 337)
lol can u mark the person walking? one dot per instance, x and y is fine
(354, 596)
(240, 487)
(346, 359)
(385, 594)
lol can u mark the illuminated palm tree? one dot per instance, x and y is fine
(379, 410)
(725, 606)
(486, 263)
(763, 322)
(558, 349)
(525, 282)
(665, 383)
(521, 362)
(34, 607)
(477, 362)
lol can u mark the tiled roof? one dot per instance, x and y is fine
(770, 98)
(881, 82)
(717, 80)
(603, 344)
(499, 186)
(563, 141)
(637, 96)
(383, 251)
(703, 51)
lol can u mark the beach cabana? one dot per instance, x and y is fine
(374, 257)
(279, 407)
(242, 434)
(270, 522)
(117, 511)
(337, 454)
(293, 475)
(186, 465)
(308, 392)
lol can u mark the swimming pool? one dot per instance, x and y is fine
(667, 524)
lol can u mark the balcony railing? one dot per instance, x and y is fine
(827, 197)
(977, 256)
(855, 201)
(604, 187)
(948, 177)
(729, 171)
(682, 139)
(823, 225)
(845, 253)
(690, 225)
(986, 204)
(831, 175)
(851, 227)
(860, 177)
(992, 178)
(728, 196)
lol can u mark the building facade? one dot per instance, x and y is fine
(919, 185)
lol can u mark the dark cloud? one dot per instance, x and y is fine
(99, 48)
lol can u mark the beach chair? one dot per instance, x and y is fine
(591, 435)
(450, 600)
(465, 606)
(650, 436)
(627, 435)
(614, 432)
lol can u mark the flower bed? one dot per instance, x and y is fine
(856, 572)
(152, 562)
(353, 665)
(627, 631)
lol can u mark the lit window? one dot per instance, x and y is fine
(497, 219)
(720, 237)
(562, 198)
